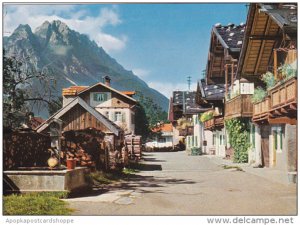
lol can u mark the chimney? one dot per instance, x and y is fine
(107, 80)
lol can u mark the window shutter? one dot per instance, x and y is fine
(123, 117)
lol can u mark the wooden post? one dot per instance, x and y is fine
(232, 67)
(275, 64)
(226, 81)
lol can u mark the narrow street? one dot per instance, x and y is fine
(178, 184)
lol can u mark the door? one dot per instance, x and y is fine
(265, 156)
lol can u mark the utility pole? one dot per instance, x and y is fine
(189, 82)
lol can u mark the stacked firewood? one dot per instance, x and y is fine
(70, 150)
(134, 146)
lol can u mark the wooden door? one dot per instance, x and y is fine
(265, 156)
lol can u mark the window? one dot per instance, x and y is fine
(118, 116)
(162, 140)
(100, 97)
(107, 114)
(277, 134)
(214, 139)
(196, 141)
(221, 139)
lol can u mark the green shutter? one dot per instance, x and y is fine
(104, 96)
(95, 97)
(281, 137)
(253, 136)
(275, 139)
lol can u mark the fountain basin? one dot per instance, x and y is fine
(47, 180)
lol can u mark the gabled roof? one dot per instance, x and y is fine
(78, 101)
(108, 87)
(230, 36)
(188, 99)
(213, 91)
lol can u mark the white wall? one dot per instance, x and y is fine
(127, 124)
(157, 144)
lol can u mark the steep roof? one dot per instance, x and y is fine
(110, 88)
(188, 99)
(78, 101)
(213, 91)
(230, 36)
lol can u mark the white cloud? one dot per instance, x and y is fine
(79, 20)
(142, 73)
(167, 88)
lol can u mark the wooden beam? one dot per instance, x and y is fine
(226, 80)
(293, 107)
(282, 110)
(262, 45)
(277, 112)
(275, 64)
(283, 120)
(264, 37)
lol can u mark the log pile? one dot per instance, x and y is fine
(25, 148)
(91, 148)
(134, 145)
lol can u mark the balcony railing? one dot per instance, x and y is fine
(285, 94)
(239, 106)
(214, 123)
(280, 106)
(261, 110)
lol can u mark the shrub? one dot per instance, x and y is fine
(239, 139)
(206, 116)
(287, 71)
(269, 79)
(258, 95)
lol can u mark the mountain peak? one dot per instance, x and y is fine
(23, 30)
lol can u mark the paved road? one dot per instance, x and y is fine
(177, 184)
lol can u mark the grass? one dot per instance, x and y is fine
(110, 177)
(47, 203)
(232, 167)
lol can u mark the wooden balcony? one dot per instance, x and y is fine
(283, 102)
(239, 106)
(214, 123)
(261, 111)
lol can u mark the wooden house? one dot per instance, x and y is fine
(269, 46)
(224, 52)
(117, 106)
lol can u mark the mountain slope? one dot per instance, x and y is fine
(73, 59)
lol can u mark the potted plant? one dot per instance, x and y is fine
(269, 79)
(258, 95)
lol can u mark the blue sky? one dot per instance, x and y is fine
(161, 43)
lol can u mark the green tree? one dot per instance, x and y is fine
(154, 113)
(141, 122)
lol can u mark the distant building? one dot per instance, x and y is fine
(163, 138)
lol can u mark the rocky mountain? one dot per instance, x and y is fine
(73, 59)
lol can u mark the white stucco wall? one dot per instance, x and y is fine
(157, 144)
(127, 124)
